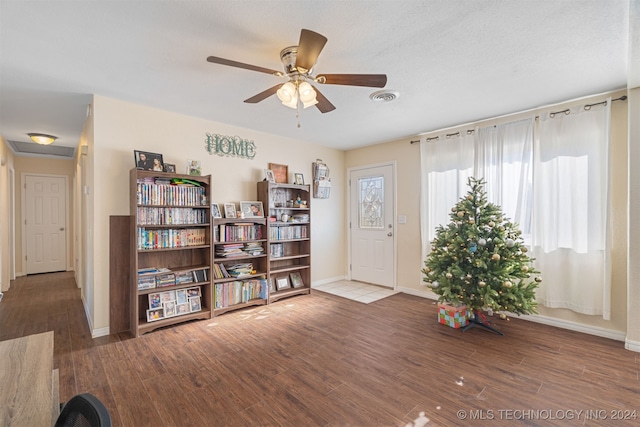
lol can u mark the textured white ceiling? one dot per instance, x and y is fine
(453, 62)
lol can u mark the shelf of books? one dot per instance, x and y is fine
(171, 249)
(289, 238)
(239, 264)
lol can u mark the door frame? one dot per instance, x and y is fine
(394, 209)
(23, 214)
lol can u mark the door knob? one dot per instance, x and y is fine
(389, 234)
(61, 228)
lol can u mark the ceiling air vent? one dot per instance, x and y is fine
(36, 150)
(384, 95)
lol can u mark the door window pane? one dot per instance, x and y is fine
(371, 202)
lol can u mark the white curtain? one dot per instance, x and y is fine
(570, 210)
(447, 165)
(504, 157)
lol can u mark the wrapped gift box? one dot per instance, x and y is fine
(456, 317)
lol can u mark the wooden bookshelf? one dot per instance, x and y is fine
(288, 209)
(239, 270)
(171, 234)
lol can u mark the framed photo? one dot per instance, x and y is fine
(154, 314)
(194, 304)
(167, 296)
(296, 280)
(181, 296)
(299, 179)
(154, 300)
(169, 308)
(168, 167)
(193, 167)
(280, 172)
(194, 292)
(269, 176)
(148, 161)
(182, 309)
(230, 210)
(282, 283)
(252, 209)
(215, 211)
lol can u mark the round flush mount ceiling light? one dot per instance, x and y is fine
(42, 138)
(384, 95)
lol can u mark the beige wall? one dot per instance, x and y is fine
(120, 127)
(6, 165)
(407, 156)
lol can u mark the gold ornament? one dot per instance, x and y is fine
(468, 276)
(524, 249)
(482, 284)
(538, 279)
(525, 268)
(507, 284)
(492, 224)
(495, 257)
(460, 214)
(503, 316)
(472, 221)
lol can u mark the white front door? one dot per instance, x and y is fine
(45, 223)
(372, 225)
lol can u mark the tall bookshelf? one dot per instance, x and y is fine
(239, 264)
(288, 209)
(170, 249)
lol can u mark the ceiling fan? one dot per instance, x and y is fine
(298, 64)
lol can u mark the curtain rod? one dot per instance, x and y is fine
(552, 114)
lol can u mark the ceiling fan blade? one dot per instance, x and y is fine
(323, 103)
(237, 64)
(263, 95)
(369, 80)
(309, 48)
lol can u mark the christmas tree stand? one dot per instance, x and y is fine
(479, 320)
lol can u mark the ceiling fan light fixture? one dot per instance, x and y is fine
(307, 94)
(288, 95)
(42, 138)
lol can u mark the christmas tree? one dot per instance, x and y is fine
(480, 260)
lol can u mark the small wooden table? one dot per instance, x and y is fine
(28, 384)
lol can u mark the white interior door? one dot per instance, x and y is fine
(45, 223)
(372, 225)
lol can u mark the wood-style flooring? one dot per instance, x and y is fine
(322, 360)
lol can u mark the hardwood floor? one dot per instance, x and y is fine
(321, 360)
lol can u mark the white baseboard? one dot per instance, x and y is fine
(632, 345)
(95, 333)
(325, 281)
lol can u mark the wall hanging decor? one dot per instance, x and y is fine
(229, 146)
(321, 180)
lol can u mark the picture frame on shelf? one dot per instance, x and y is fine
(252, 209)
(155, 300)
(298, 179)
(182, 309)
(154, 314)
(194, 292)
(296, 280)
(282, 283)
(194, 167)
(167, 296)
(269, 176)
(170, 168)
(148, 161)
(215, 211)
(195, 304)
(169, 309)
(280, 173)
(181, 296)
(230, 210)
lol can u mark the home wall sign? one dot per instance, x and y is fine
(229, 146)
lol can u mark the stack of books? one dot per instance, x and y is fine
(253, 248)
(230, 250)
(241, 270)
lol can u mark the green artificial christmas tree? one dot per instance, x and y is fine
(480, 260)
